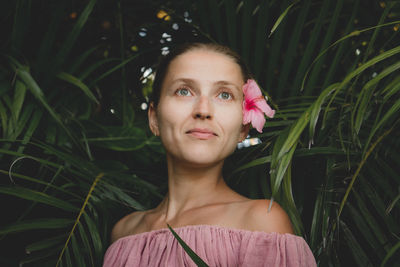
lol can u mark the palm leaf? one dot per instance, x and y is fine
(189, 251)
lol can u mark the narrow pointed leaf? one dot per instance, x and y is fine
(37, 196)
(199, 262)
(390, 254)
(19, 97)
(78, 83)
(50, 223)
(281, 17)
(46, 243)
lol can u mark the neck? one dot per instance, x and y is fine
(190, 187)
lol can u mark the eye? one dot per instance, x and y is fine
(225, 96)
(183, 92)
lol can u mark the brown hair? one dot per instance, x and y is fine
(162, 68)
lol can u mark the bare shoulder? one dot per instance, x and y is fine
(259, 219)
(126, 225)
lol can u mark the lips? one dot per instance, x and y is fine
(201, 133)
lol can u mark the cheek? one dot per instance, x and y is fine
(232, 120)
(169, 116)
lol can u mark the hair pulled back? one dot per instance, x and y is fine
(164, 63)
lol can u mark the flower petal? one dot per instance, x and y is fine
(264, 107)
(251, 90)
(246, 114)
(258, 120)
(255, 105)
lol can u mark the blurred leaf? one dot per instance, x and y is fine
(278, 173)
(45, 244)
(390, 254)
(19, 97)
(256, 162)
(281, 17)
(21, 23)
(73, 35)
(367, 93)
(362, 68)
(77, 252)
(4, 120)
(49, 223)
(393, 111)
(95, 236)
(197, 260)
(48, 185)
(290, 203)
(352, 244)
(77, 221)
(40, 197)
(75, 81)
(121, 139)
(37, 92)
(85, 241)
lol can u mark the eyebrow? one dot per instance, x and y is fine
(184, 80)
(191, 82)
(227, 83)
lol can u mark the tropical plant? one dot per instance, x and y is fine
(75, 150)
(63, 151)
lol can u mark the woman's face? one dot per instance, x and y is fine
(199, 114)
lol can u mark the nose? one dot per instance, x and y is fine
(203, 109)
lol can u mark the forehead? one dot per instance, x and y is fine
(205, 65)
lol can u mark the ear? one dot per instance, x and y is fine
(244, 132)
(153, 120)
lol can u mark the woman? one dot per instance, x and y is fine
(197, 110)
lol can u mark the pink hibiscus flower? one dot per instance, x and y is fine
(254, 106)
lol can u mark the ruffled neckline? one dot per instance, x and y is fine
(200, 226)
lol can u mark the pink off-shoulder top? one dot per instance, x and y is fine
(217, 246)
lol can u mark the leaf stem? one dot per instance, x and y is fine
(79, 216)
(353, 179)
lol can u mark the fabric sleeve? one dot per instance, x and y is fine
(278, 250)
